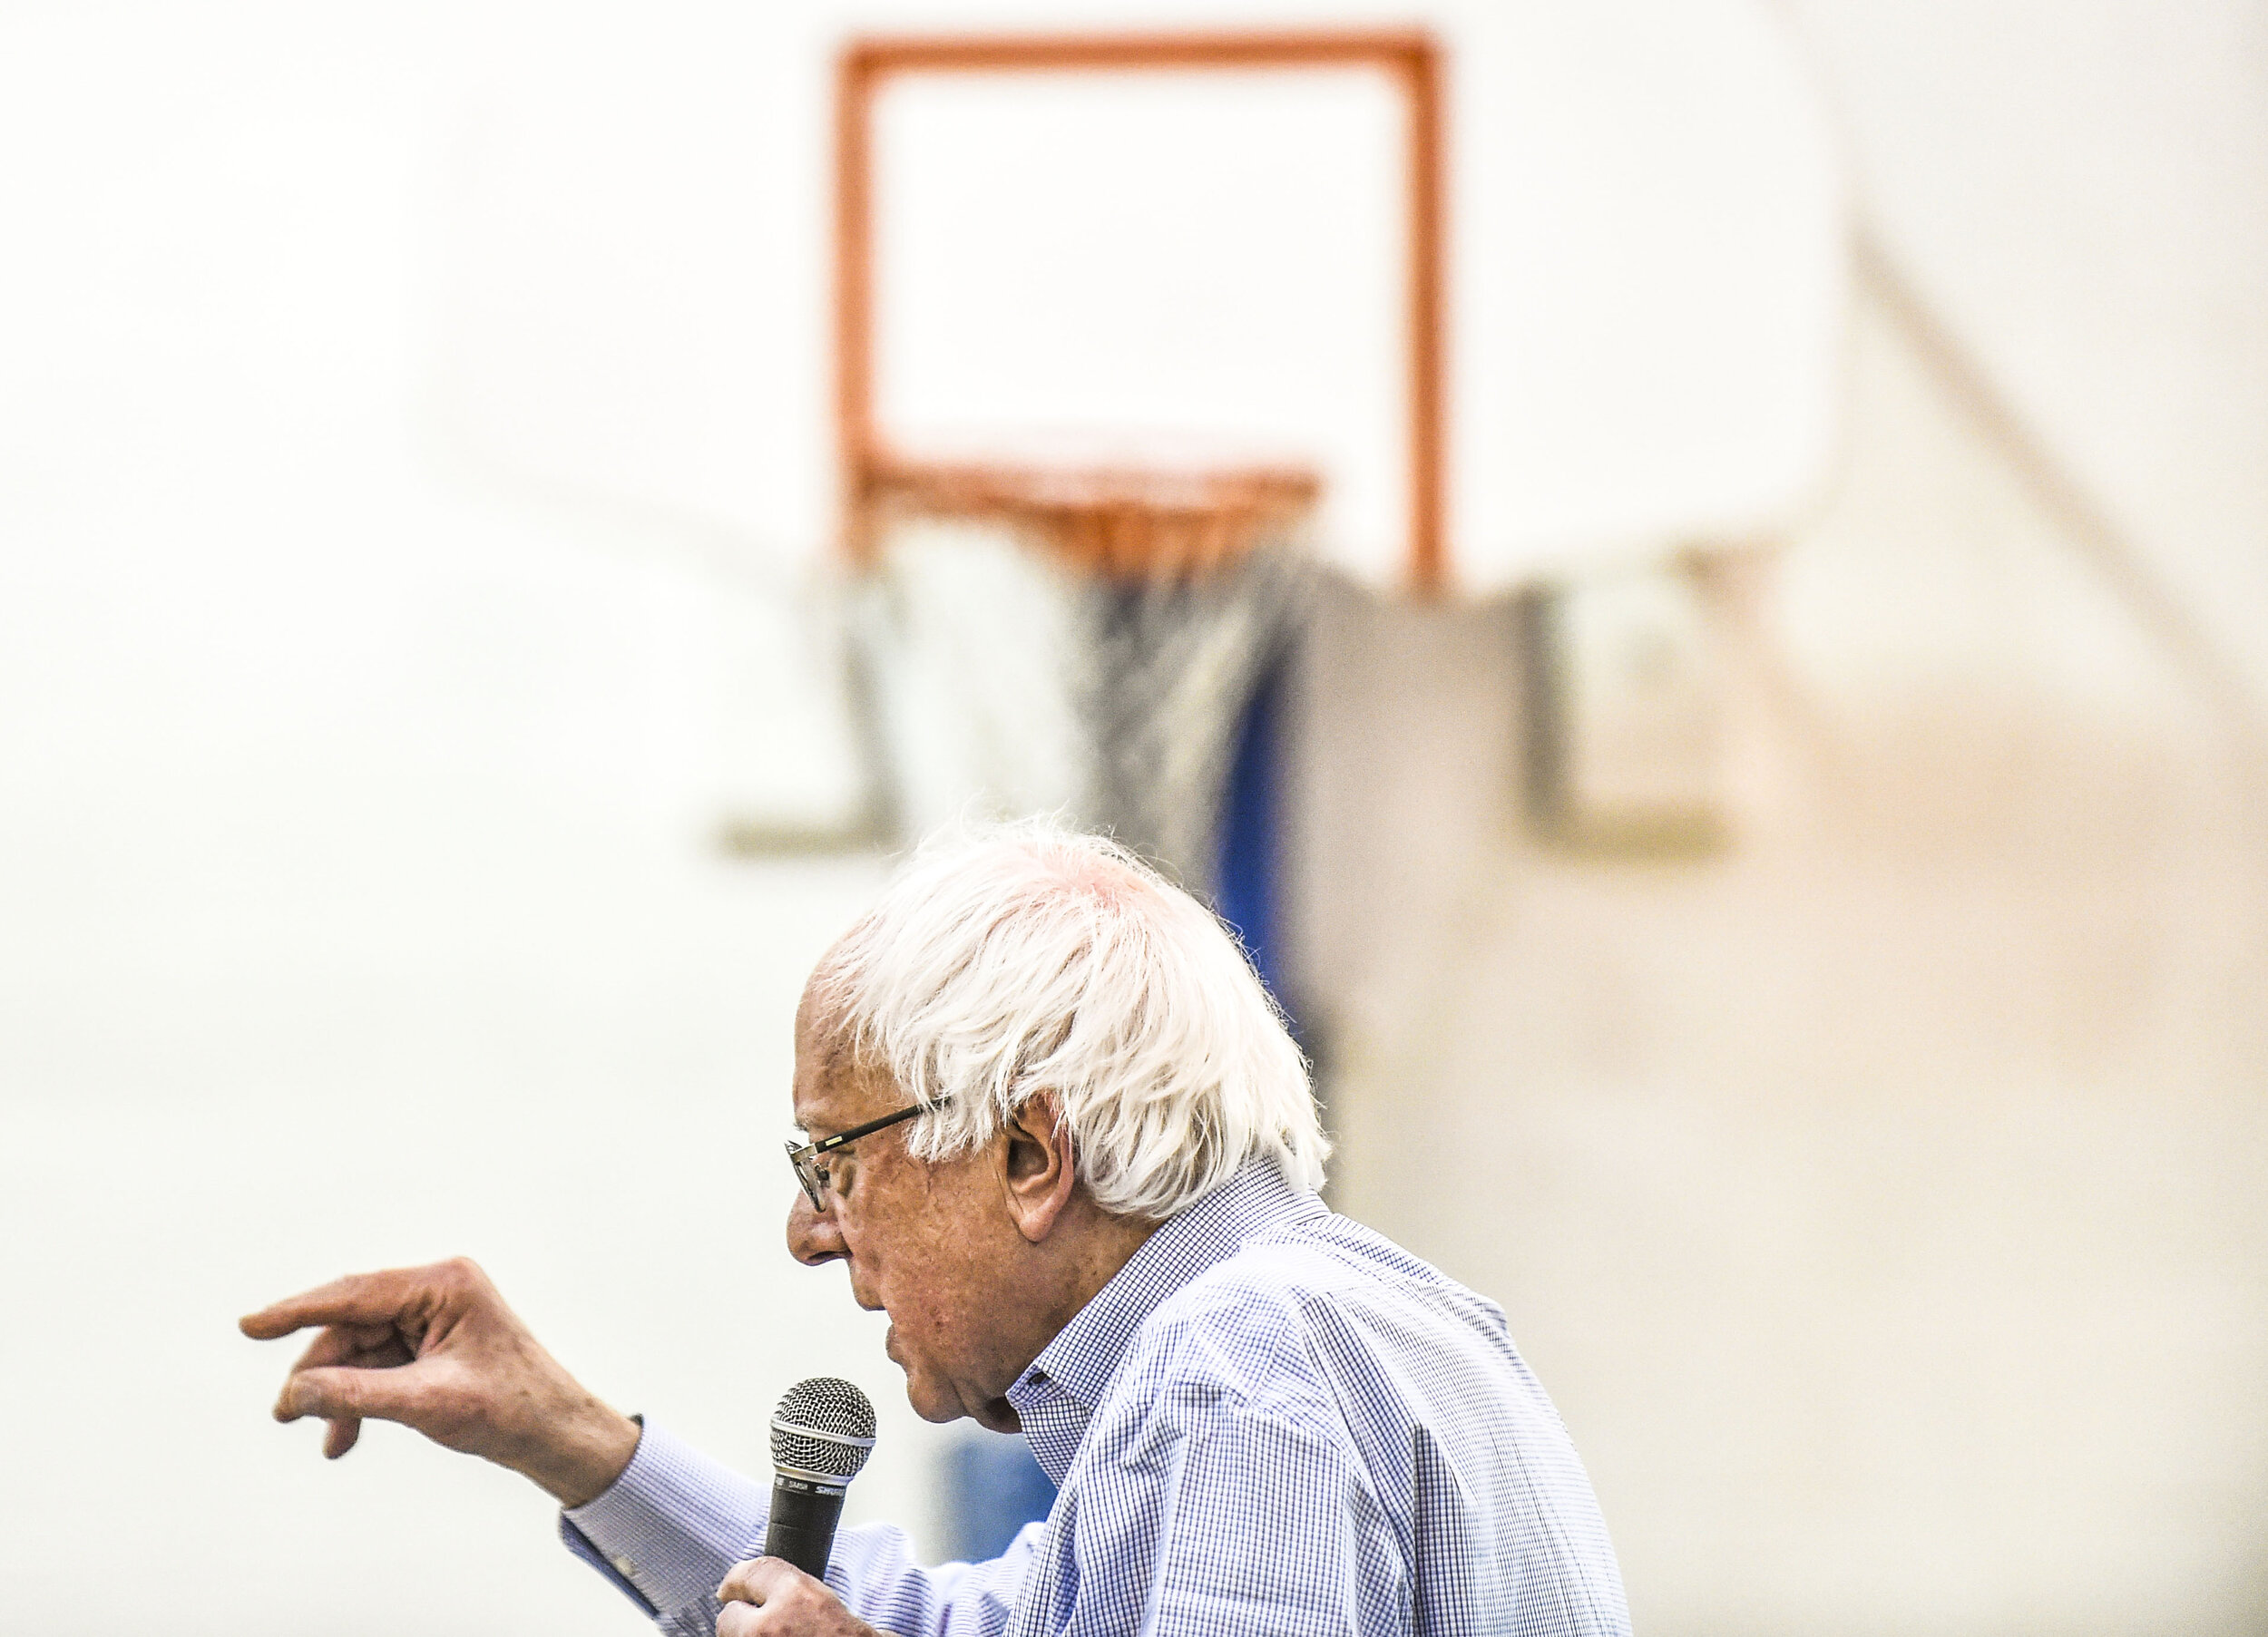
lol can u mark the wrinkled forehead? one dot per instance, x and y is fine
(821, 1033)
(834, 1090)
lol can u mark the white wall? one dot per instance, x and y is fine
(2083, 192)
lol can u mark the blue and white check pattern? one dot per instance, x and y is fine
(1271, 1420)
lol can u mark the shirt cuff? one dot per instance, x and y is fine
(669, 1526)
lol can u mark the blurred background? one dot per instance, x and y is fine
(1786, 916)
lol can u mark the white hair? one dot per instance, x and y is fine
(1016, 959)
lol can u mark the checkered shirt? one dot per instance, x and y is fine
(1270, 1420)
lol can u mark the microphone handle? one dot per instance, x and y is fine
(802, 1530)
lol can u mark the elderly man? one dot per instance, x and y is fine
(1080, 1179)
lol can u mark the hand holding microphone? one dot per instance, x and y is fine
(765, 1597)
(822, 1435)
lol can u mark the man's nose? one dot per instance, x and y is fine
(813, 1237)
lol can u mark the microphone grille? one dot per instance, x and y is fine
(824, 1425)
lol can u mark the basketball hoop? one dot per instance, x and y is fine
(1088, 633)
(1130, 523)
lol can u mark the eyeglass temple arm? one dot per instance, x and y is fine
(855, 1132)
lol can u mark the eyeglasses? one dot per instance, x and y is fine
(806, 1157)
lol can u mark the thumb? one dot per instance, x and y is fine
(344, 1393)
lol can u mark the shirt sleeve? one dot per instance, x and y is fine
(676, 1521)
(668, 1528)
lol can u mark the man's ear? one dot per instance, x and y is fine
(1038, 1171)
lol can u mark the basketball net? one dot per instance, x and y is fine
(1082, 643)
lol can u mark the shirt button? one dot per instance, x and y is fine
(623, 1566)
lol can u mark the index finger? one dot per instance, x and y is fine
(358, 1298)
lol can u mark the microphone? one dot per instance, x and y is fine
(822, 1434)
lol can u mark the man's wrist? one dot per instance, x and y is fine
(583, 1465)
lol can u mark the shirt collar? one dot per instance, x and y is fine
(1079, 1363)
